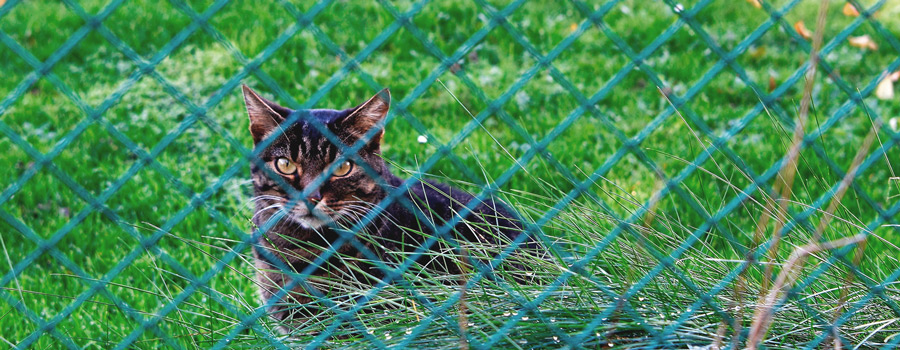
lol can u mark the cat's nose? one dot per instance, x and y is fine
(315, 197)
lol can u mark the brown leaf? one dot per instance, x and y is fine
(755, 3)
(850, 10)
(801, 29)
(885, 89)
(863, 42)
(772, 84)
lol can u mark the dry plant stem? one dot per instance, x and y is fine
(845, 183)
(762, 318)
(739, 289)
(787, 173)
(823, 224)
(764, 313)
(720, 334)
(463, 318)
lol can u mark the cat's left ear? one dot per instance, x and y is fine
(366, 116)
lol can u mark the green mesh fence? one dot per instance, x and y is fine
(692, 301)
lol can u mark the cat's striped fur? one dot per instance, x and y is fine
(298, 238)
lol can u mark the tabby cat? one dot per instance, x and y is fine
(299, 154)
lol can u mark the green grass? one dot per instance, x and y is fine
(45, 114)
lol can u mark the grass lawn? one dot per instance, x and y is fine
(75, 228)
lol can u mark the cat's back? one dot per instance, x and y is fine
(490, 220)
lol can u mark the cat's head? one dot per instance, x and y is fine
(300, 153)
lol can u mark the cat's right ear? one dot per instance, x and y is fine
(263, 117)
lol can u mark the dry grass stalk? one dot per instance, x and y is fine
(787, 173)
(762, 318)
(463, 318)
(790, 272)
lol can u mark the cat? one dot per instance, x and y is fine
(299, 154)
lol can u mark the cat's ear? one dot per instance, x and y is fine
(366, 116)
(263, 116)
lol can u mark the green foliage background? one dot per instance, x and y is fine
(334, 64)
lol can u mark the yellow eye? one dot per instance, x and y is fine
(344, 169)
(285, 166)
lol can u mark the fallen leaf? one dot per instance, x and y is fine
(863, 42)
(885, 89)
(850, 10)
(755, 3)
(573, 27)
(802, 30)
(2, 2)
(758, 52)
(894, 76)
(772, 84)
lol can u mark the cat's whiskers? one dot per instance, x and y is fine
(350, 213)
(258, 199)
(263, 210)
(265, 196)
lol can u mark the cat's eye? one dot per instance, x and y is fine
(285, 166)
(344, 169)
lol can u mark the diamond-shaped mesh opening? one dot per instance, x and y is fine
(93, 69)
(529, 107)
(770, 67)
(765, 128)
(19, 330)
(386, 66)
(638, 23)
(501, 62)
(148, 33)
(111, 246)
(44, 203)
(31, 33)
(877, 179)
(308, 72)
(45, 287)
(191, 240)
(18, 161)
(874, 266)
(204, 147)
(679, 81)
(15, 245)
(581, 66)
(92, 6)
(43, 116)
(146, 114)
(147, 198)
(16, 70)
(839, 146)
(100, 322)
(633, 112)
(557, 20)
(251, 34)
(96, 149)
(626, 186)
(330, 22)
(724, 101)
(199, 67)
(438, 14)
(450, 116)
(744, 20)
(149, 284)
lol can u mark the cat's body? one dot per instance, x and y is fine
(299, 155)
